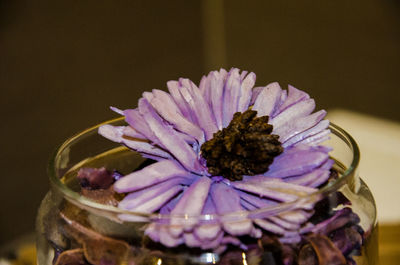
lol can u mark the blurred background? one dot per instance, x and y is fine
(63, 63)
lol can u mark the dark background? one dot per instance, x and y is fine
(62, 63)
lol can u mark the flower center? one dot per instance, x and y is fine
(245, 147)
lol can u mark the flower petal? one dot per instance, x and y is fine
(199, 107)
(294, 95)
(320, 180)
(208, 229)
(293, 112)
(298, 216)
(153, 231)
(307, 178)
(316, 139)
(254, 94)
(135, 199)
(246, 205)
(213, 243)
(173, 88)
(157, 202)
(217, 92)
(263, 191)
(148, 95)
(136, 121)
(264, 223)
(231, 96)
(163, 103)
(145, 148)
(191, 204)
(295, 217)
(205, 88)
(233, 241)
(269, 226)
(152, 157)
(115, 133)
(223, 73)
(290, 239)
(246, 91)
(328, 164)
(160, 233)
(268, 100)
(129, 131)
(256, 200)
(117, 110)
(168, 138)
(279, 185)
(191, 240)
(321, 126)
(227, 201)
(284, 224)
(167, 208)
(297, 160)
(243, 75)
(150, 175)
(297, 126)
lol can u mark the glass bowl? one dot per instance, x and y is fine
(72, 229)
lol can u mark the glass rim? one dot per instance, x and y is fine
(330, 187)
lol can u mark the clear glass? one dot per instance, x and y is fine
(70, 225)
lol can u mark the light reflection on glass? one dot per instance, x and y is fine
(244, 258)
(209, 258)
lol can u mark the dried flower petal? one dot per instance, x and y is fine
(268, 100)
(150, 175)
(341, 218)
(245, 92)
(166, 107)
(95, 178)
(136, 199)
(72, 256)
(190, 204)
(347, 239)
(292, 113)
(326, 251)
(116, 134)
(299, 125)
(169, 138)
(231, 96)
(228, 201)
(96, 247)
(294, 96)
(297, 160)
(217, 92)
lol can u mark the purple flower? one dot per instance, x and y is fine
(171, 128)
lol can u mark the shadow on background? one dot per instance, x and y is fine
(62, 63)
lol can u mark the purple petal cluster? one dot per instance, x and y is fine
(170, 129)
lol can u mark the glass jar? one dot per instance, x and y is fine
(72, 229)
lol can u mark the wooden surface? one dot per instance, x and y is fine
(389, 244)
